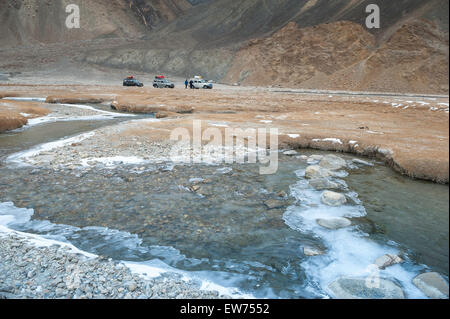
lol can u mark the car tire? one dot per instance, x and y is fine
(155, 86)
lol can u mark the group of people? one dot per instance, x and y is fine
(190, 83)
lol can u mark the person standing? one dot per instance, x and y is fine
(186, 83)
(191, 84)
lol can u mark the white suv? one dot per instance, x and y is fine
(201, 84)
(163, 83)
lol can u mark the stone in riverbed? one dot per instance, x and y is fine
(333, 199)
(131, 286)
(323, 183)
(333, 162)
(290, 153)
(359, 288)
(334, 223)
(387, 260)
(432, 284)
(315, 171)
(273, 203)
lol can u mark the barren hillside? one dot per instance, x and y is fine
(315, 44)
(25, 21)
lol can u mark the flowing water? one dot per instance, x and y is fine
(224, 231)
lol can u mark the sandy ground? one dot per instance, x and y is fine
(409, 133)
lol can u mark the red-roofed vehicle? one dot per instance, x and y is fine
(131, 81)
(160, 81)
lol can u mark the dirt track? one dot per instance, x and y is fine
(409, 133)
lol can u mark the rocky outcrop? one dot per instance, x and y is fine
(345, 56)
(294, 55)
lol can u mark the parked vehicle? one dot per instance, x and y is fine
(131, 81)
(199, 83)
(160, 81)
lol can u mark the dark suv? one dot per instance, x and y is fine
(131, 81)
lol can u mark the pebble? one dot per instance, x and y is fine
(79, 277)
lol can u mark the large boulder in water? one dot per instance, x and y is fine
(315, 171)
(333, 199)
(333, 162)
(432, 284)
(323, 183)
(361, 288)
(334, 223)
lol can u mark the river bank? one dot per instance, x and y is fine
(33, 267)
(116, 190)
(410, 134)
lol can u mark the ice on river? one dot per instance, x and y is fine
(97, 239)
(349, 251)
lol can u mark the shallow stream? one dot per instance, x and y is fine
(228, 224)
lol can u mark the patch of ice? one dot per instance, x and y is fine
(113, 161)
(26, 99)
(224, 170)
(350, 252)
(21, 157)
(87, 107)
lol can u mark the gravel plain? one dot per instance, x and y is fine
(29, 271)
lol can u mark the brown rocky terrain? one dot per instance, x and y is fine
(43, 21)
(313, 44)
(344, 56)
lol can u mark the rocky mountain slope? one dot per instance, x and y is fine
(291, 43)
(25, 21)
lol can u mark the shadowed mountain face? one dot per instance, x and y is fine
(25, 21)
(297, 43)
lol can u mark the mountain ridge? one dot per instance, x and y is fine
(221, 39)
